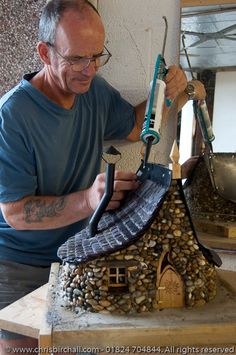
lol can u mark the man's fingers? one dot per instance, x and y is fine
(118, 195)
(121, 185)
(125, 175)
(175, 82)
(171, 73)
(125, 181)
(113, 205)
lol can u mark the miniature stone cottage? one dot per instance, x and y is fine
(145, 257)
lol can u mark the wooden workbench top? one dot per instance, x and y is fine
(25, 315)
(214, 323)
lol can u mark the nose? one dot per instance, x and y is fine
(90, 70)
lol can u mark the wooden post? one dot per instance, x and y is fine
(175, 166)
(46, 329)
(45, 338)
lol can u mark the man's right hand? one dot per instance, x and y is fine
(123, 182)
(48, 212)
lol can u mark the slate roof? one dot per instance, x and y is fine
(122, 227)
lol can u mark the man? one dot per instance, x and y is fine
(53, 125)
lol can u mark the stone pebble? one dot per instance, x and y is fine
(86, 286)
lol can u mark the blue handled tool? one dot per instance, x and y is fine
(200, 109)
(152, 121)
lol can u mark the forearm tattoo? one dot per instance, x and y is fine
(35, 210)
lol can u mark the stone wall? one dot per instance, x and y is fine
(86, 286)
(203, 201)
(18, 39)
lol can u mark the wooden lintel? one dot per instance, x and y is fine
(191, 3)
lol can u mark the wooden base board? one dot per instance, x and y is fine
(25, 315)
(216, 242)
(221, 229)
(211, 325)
(202, 326)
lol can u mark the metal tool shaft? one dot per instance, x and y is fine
(187, 57)
(147, 152)
(165, 37)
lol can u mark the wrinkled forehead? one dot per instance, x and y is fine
(81, 29)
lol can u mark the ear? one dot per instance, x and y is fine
(44, 52)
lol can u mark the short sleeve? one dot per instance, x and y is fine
(120, 113)
(17, 168)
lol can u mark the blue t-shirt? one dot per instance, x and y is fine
(48, 150)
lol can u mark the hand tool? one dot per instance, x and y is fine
(153, 116)
(201, 113)
(221, 166)
(201, 110)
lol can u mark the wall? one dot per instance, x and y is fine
(135, 30)
(18, 39)
(224, 125)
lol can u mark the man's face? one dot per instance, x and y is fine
(76, 37)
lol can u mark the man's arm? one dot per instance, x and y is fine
(176, 82)
(49, 212)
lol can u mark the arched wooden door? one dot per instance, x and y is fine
(170, 289)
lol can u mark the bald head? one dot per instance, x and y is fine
(54, 11)
(80, 32)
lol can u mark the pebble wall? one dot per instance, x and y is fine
(86, 286)
(18, 40)
(203, 201)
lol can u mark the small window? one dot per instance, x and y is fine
(112, 280)
(117, 277)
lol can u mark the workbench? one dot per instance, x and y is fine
(40, 315)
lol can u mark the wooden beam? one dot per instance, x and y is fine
(216, 242)
(191, 3)
(222, 229)
(25, 315)
(45, 333)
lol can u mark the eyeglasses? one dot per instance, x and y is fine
(80, 63)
